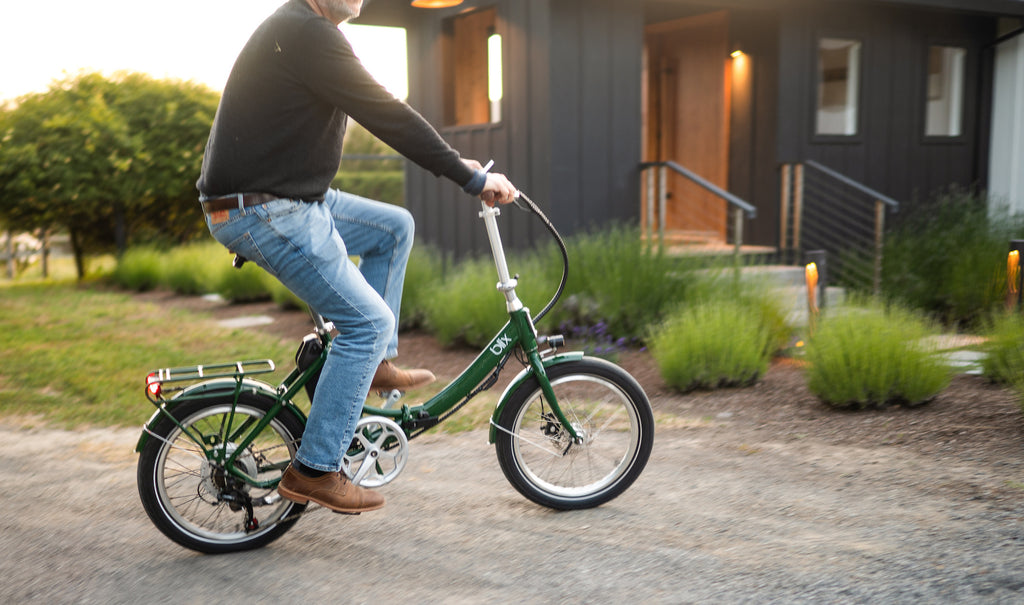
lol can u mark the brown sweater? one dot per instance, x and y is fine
(282, 117)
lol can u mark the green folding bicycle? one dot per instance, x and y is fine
(570, 431)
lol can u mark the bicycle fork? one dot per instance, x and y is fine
(520, 315)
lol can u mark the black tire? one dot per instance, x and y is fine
(607, 408)
(182, 490)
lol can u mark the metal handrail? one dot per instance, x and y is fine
(868, 191)
(739, 205)
(794, 206)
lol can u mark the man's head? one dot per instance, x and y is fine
(337, 11)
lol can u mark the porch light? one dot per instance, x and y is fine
(435, 3)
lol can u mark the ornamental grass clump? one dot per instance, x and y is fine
(1003, 362)
(712, 344)
(875, 356)
(465, 308)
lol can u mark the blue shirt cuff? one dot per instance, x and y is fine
(475, 186)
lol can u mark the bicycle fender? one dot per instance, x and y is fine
(518, 381)
(211, 388)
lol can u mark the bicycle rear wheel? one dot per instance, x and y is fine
(192, 498)
(612, 417)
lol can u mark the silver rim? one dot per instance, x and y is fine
(187, 483)
(603, 416)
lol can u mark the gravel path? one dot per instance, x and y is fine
(754, 495)
(712, 520)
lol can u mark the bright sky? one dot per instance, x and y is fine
(42, 41)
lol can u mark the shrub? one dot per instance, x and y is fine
(874, 356)
(948, 258)
(191, 269)
(758, 294)
(248, 284)
(711, 344)
(465, 308)
(139, 269)
(618, 280)
(1004, 348)
(281, 295)
(595, 340)
(424, 271)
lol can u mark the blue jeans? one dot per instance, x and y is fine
(307, 246)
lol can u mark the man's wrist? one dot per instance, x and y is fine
(475, 186)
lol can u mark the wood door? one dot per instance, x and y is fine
(688, 117)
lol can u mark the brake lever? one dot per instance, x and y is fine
(520, 203)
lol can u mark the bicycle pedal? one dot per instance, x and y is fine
(390, 398)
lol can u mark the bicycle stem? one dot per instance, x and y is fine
(506, 283)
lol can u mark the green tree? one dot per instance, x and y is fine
(172, 119)
(105, 159)
(64, 153)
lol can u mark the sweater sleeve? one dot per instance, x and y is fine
(330, 68)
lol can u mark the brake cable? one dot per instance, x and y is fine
(532, 207)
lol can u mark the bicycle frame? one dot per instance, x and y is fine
(519, 333)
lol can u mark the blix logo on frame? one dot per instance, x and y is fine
(500, 345)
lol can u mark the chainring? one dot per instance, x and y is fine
(378, 452)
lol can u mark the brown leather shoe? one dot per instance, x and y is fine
(389, 377)
(333, 491)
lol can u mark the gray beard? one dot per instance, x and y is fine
(340, 10)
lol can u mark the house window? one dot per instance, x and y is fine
(472, 69)
(838, 86)
(945, 102)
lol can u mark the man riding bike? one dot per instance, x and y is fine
(273, 150)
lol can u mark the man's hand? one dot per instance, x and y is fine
(498, 189)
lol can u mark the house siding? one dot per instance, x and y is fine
(596, 55)
(447, 217)
(571, 133)
(890, 152)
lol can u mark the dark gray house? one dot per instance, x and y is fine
(893, 99)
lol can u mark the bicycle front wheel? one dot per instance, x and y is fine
(194, 499)
(612, 418)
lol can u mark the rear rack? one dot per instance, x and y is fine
(234, 369)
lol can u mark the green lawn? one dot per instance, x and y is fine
(78, 357)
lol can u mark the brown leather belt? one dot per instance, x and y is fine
(232, 202)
